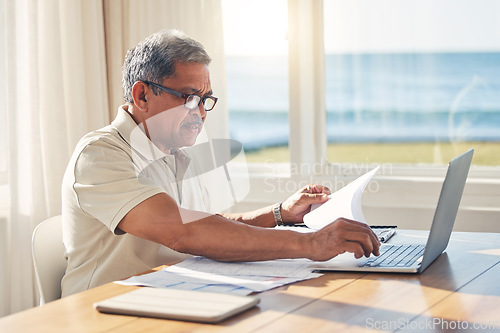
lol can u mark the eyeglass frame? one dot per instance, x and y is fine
(185, 96)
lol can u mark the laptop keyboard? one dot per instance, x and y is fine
(395, 256)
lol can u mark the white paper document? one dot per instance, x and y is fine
(198, 273)
(164, 279)
(345, 202)
(292, 268)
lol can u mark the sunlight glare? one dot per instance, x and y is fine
(494, 252)
(256, 27)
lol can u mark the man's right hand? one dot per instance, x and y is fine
(343, 235)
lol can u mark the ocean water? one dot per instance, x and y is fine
(373, 98)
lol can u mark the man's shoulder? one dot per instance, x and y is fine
(106, 136)
(100, 145)
(98, 155)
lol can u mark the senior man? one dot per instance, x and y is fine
(127, 206)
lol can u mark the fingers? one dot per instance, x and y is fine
(344, 235)
(313, 194)
(364, 242)
(295, 207)
(309, 198)
(354, 248)
(372, 240)
(363, 234)
(315, 188)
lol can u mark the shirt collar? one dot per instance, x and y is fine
(134, 135)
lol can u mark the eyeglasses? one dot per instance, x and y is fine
(191, 101)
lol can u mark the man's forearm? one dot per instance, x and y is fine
(219, 239)
(261, 217)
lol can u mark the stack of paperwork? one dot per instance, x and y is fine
(199, 273)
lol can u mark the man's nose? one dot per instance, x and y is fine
(200, 111)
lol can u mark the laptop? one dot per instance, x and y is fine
(414, 258)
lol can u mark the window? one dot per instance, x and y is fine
(412, 82)
(405, 83)
(257, 81)
(355, 102)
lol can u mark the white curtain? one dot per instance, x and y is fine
(55, 91)
(62, 62)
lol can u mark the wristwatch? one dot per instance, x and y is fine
(277, 214)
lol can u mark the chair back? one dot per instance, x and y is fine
(48, 258)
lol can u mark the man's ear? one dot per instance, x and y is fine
(140, 91)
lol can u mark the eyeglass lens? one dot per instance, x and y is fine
(193, 101)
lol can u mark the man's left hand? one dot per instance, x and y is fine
(299, 204)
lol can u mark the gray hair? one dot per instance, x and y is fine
(154, 59)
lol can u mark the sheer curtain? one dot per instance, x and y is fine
(62, 63)
(55, 91)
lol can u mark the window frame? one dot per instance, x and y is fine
(408, 193)
(306, 72)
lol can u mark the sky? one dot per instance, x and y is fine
(259, 27)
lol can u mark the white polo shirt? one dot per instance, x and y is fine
(111, 171)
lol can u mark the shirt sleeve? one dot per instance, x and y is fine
(108, 183)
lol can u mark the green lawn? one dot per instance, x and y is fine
(486, 153)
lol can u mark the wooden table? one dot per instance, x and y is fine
(459, 292)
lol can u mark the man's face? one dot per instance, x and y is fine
(170, 124)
